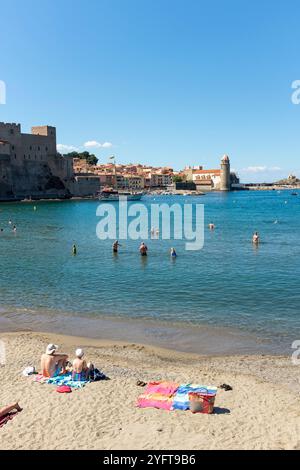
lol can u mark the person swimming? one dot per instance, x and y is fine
(211, 226)
(255, 238)
(173, 253)
(143, 249)
(74, 250)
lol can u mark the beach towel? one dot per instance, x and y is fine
(40, 379)
(7, 418)
(182, 400)
(158, 395)
(66, 379)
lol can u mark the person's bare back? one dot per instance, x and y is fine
(79, 365)
(51, 362)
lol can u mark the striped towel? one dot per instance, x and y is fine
(181, 399)
(158, 395)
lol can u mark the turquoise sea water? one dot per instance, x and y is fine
(227, 284)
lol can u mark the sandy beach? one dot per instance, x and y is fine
(262, 411)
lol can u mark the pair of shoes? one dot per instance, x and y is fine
(140, 383)
(226, 387)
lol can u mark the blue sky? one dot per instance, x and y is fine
(164, 82)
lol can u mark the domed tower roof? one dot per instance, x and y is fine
(225, 159)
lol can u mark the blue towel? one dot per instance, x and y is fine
(181, 398)
(66, 379)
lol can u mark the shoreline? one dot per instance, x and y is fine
(201, 339)
(261, 412)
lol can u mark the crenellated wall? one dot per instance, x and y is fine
(30, 165)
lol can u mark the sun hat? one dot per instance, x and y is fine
(79, 353)
(51, 348)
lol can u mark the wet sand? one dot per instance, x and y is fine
(183, 337)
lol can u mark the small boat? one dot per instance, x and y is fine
(113, 195)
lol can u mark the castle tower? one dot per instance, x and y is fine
(225, 174)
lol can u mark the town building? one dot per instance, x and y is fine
(214, 179)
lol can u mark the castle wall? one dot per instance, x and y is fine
(34, 169)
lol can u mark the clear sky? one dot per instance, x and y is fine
(164, 82)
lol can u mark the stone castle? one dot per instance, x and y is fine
(30, 165)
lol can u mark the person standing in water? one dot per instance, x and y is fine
(173, 253)
(143, 249)
(115, 246)
(255, 238)
(211, 226)
(74, 250)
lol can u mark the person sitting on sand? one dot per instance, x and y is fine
(7, 409)
(53, 364)
(143, 249)
(255, 238)
(81, 370)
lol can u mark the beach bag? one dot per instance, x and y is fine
(64, 389)
(96, 375)
(201, 402)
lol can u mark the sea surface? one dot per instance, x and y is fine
(227, 297)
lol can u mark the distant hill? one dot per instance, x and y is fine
(291, 180)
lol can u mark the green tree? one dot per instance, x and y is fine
(89, 157)
(177, 179)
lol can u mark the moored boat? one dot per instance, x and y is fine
(112, 195)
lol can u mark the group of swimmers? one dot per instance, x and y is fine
(143, 249)
(14, 228)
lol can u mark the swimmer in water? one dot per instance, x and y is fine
(173, 253)
(115, 246)
(143, 249)
(211, 226)
(9, 222)
(255, 238)
(74, 250)
(14, 229)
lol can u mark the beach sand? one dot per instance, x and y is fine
(262, 411)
